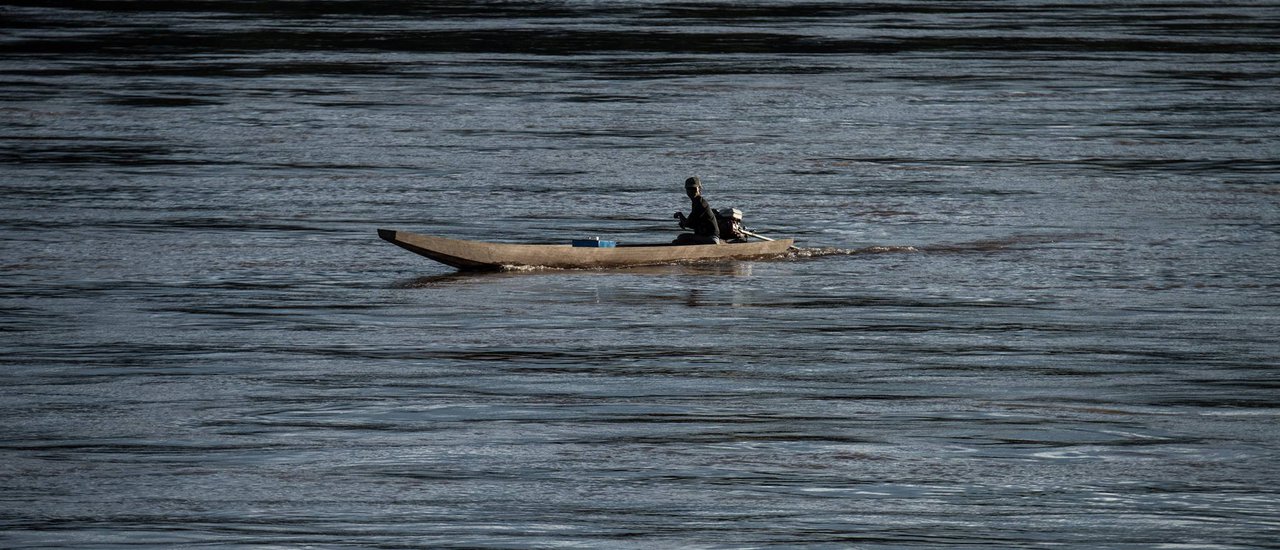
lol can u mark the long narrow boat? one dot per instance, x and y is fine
(477, 255)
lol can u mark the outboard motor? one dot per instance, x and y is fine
(730, 221)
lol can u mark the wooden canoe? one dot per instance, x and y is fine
(476, 255)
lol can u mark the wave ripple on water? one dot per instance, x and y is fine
(1034, 303)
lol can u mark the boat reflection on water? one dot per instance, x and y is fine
(716, 269)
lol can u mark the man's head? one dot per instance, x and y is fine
(693, 187)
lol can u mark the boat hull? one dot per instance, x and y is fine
(481, 256)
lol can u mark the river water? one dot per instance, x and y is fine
(1035, 305)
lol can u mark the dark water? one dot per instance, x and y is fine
(1036, 306)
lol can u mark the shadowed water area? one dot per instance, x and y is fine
(1035, 302)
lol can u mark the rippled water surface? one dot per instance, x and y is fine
(1035, 303)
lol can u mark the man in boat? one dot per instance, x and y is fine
(702, 220)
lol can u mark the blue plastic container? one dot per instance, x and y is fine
(593, 243)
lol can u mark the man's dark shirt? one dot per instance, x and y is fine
(703, 220)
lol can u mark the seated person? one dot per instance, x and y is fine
(702, 220)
